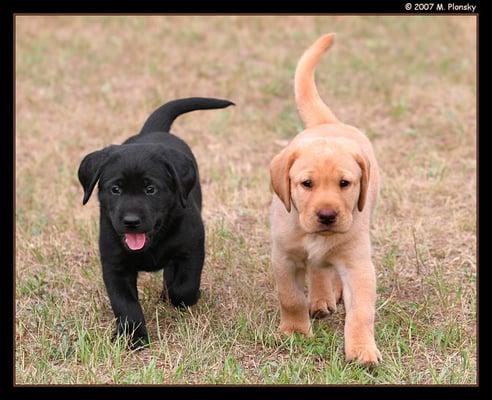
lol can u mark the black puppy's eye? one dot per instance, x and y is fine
(150, 190)
(344, 183)
(307, 183)
(115, 189)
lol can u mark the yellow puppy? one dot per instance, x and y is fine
(326, 182)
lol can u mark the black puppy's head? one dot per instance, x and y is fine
(139, 186)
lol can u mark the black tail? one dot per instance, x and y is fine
(162, 118)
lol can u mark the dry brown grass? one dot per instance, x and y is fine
(85, 82)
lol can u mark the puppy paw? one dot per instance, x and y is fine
(136, 339)
(366, 354)
(183, 300)
(138, 342)
(321, 309)
(288, 328)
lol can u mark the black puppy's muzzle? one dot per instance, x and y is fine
(132, 221)
(133, 228)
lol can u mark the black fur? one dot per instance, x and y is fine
(169, 213)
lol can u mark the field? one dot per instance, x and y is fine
(85, 82)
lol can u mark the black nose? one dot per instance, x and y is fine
(327, 216)
(131, 221)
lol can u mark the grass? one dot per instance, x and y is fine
(85, 82)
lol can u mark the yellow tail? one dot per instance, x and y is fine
(312, 109)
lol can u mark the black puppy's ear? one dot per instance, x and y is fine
(90, 170)
(182, 170)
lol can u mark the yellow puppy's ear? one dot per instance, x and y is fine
(279, 175)
(365, 168)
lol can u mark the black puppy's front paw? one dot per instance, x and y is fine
(135, 339)
(184, 299)
(138, 343)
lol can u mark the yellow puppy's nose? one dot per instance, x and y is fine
(327, 216)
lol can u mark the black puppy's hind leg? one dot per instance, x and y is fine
(123, 295)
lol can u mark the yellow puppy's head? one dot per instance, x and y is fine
(325, 180)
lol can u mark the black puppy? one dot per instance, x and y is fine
(150, 214)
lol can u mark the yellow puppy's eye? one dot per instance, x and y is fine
(307, 183)
(344, 183)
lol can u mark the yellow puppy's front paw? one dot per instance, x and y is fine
(288, 328)
(320, 309)
(365, 354)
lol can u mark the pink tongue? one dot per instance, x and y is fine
(135, 241)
